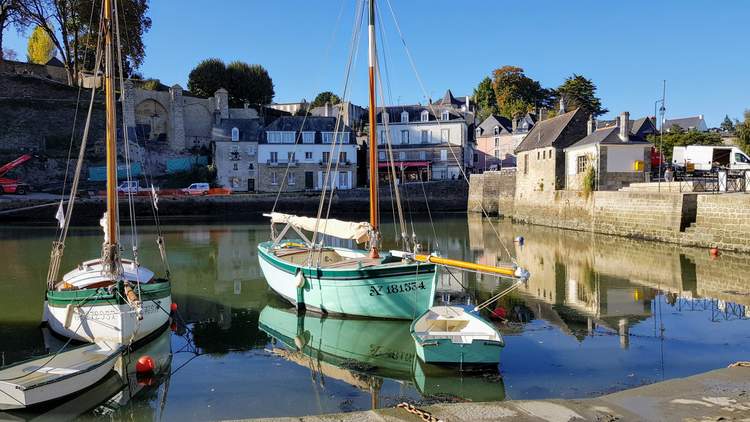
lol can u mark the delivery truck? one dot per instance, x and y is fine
(705, 159)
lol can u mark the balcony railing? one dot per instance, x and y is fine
(276, 163)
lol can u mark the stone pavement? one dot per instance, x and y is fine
(720, 395)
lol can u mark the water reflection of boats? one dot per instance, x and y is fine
(362, 352)
(111, 395)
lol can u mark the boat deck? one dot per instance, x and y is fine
(331, 259)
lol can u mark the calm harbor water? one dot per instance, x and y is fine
(599, 314)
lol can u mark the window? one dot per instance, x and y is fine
(538, 154)
(404, 116)
(384, 117)
(496, 130)
(422, 155)
(425, 116)
(343, 179)
(476, 158)
(308, 155)
(290, 156)
(741, 158)
(445, 135)
(497, 142)
(235, 134)
(478, 132)
(274, 157)
(425, 135)
(445, 115)
(544, 155)
(382, 137)
(582, 162)
(404, 136)
(308, 137)
(291, 179)
(251, 150)
(326, 157)
(549, 154)
(443, 155)
(402, 156)
(342, 156)
(277, 137)
(274, 178)
(497, 153)
(526, 163)
(381, 155)
(235, 167)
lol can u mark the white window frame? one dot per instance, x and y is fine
(404, 116)
(443, 155)
(445, 135)
(445, 115)
(308, 137)
(235, 134)
(381, 155)
(291, 179)
(425, 136)
(274, 178)
(424, 116)
(308, 155)
(402, 156)
(405, 137)
(273, 157)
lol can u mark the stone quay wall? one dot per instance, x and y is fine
(492, 191)
(721, 221)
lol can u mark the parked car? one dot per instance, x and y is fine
(129, 186)
(702, 159)
(196, 189)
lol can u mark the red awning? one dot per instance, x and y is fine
(400, 164)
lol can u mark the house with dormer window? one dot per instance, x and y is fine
(235, 145)
(430, 142)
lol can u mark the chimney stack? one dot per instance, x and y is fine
(591, 125)
(327, 112)
(542, 114)
(468, 103)
(562, 105)
(624, 124)
(514, 124)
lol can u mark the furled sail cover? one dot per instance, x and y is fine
(332, 227)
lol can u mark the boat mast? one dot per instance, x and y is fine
(110, 247)
(374, 204)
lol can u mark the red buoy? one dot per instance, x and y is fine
(173, 326)
(498, 313)
(714, 251)
(145, 365)
(173, 307)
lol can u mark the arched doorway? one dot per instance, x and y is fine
(151, 121)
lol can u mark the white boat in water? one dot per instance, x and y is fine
(108, 299)
(450, 335)
(55, 376)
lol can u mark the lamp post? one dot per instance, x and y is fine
(662, 110)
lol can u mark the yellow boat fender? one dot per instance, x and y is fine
(300, 278)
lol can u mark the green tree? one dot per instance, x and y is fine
(248, 83)
(579, 92)
(485, 100)
(207, 77)
(679, 137)
(325, 97)
(742, 130)
(516, 93)
(67, 24)
(40, 48)
(727, 125)
(10, 14)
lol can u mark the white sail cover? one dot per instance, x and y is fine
(359, 232)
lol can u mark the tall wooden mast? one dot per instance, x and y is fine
(374, 204)
(111, 247)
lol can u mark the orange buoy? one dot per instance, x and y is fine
(173, 326)
(714, 251)
(173, 307)
(145, 365)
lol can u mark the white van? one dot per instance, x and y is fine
(196, 189)
(129, 186)
(708, 158)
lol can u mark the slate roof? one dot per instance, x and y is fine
(548, 132)
(54, 61)
(415, 113)
(449, 99)
(686, 123)
(609, 136)
(488, 125)
(311, 123)
(643, 126)
(250, 130)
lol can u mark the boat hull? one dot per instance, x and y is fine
(445, 352)
(400, 292)
(107, 318)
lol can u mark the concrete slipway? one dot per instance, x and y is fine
(720, 395)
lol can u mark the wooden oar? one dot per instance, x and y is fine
(514, 272)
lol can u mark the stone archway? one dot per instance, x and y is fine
(152, 121)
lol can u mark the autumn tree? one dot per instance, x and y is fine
(248, 84)
(485, 100)
(516, 93)
(207, 77)
(579, 92)
(73, 25)
(40, 48)
(325, 97)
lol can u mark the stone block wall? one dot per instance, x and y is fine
(722, 221)
(492, 191)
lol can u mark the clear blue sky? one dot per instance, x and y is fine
(626, 48)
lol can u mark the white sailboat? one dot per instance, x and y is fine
(108, 299)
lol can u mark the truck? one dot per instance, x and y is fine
(15, 186)
(704, 159)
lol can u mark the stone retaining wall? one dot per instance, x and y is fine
(492, 191)
(722, 221)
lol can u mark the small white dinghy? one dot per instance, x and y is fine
(51, 377)
(450, 335)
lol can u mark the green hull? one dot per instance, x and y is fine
(400, 291)
(101, 296)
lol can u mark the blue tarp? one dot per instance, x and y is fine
(185, 164)
(99, 174)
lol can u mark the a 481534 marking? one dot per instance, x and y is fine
(396, 288)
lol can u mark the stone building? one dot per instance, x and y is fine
(431, 142)
(53, 70)
(541, 157)
(352, 115)
(696, 123)
(236, 153)
(291, 108)
(618, 156)
(300, 149)
(497, 137)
